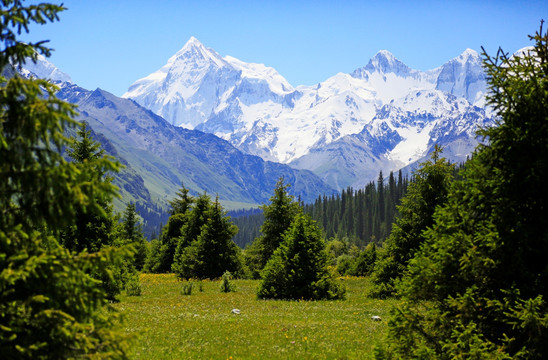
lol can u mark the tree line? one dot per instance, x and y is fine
(362, 216)
(358, 216)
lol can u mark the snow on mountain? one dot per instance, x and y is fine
(260, 72)
(43, 69)
(401, 133)
(253, 107)
(464, 77)
(197, 83)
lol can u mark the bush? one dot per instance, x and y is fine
(133, 286)
(187, 288)
(226, 284)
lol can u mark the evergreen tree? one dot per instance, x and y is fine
(92, 230)
(153, 262)
(427, 190)
(483, 265)
(50, 307)
(298, 268)
(132, 234)
(249, 226)
(381, 200)
(364, 264)
(161, 256)
(191, 228)
(182, 203)
(278, 216)
(212, 252)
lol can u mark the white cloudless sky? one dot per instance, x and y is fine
(111, 43)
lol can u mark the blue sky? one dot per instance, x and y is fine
(111, 43)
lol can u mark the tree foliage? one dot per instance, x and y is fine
(428, 190)
(278, 216)
(483, 265)
(92, 229)
(362, 215)
(210, 251)
(162, 254)
(352, 214)
(298, 269)
(50, 307)
(131, 233)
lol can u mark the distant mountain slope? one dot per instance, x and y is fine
(384, 115)
(165, 155)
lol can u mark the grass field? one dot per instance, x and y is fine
(169, 325)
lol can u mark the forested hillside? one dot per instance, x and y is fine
(358, 216)
(364, 215)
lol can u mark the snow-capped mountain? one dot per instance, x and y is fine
(43, 69)
(197, 83)
(158, 156)
(393, 114)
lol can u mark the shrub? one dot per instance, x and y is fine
(187, 288)
(133, 286)
(226, 284)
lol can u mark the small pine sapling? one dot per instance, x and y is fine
(226, 284)
(187, 288)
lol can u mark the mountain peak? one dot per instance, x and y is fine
(384, 54)
(385, 62)
(463, 76)
(195, 50)
(43, 69)
(469, 55)
(192, 43)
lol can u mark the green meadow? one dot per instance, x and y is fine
(165, 324)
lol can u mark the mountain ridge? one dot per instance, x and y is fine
(158, 156)
(259, 112)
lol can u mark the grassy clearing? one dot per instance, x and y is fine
(170, 325)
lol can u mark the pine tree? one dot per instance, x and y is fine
(212, 252)
(428, 189)
(191, 228)
(50, 307)
(381, 200)
(92, 230)
(162, 255)
(278, 216)
(483, 265)
(364, 264)
(182, 203)
(298, 268)
(132, 234)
